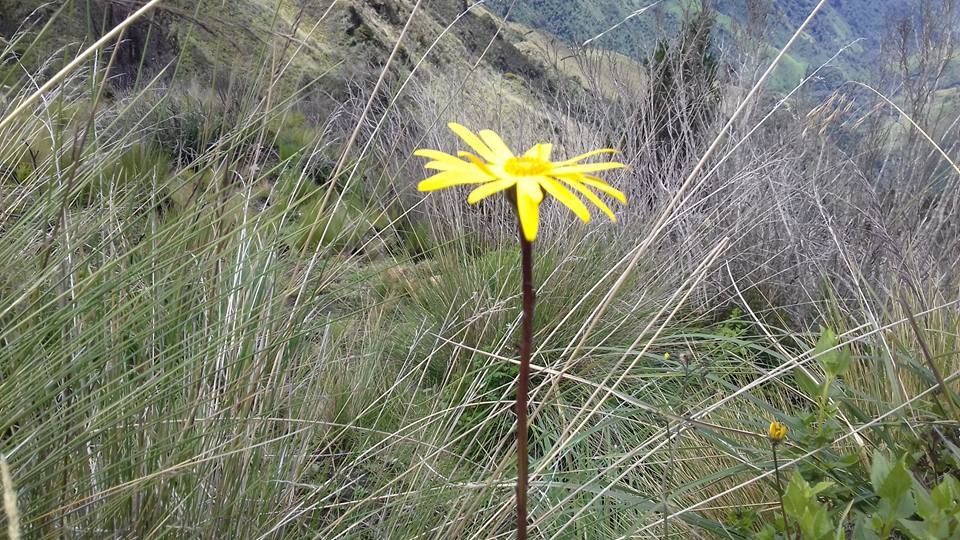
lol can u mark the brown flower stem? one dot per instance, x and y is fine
(776, 473)
(526, 340)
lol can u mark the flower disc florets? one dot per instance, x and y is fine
(526, 166)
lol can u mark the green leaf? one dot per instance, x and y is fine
(815, 523)
(905, 507)
(946, 496)
(766, 533)
(924, 530)
(796, 496)
(800, 503)
(835, 362)
(848, 461)
(897, 483)
(914, 529)
(879, 470)
(863, 531)
(820, 487)
(807, 383)
(926, 507)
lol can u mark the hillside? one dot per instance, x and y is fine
(385, 269)
(838, 25)
(332, 47)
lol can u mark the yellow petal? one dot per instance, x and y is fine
(568, 199)
(591, 153)
(496, 144)
(540, 151)
(437, 155)
(528, 211)
(592, 198)
(447, 166)
(473, 141)
(489, 189)
(477, 162)
(532, 186)
(595, 182)
(587, 167)
(449, 179)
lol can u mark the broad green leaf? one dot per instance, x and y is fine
(766, 533)
(897, 483)
(796, 496)
(879, 470)
(947, 494)
(905, 507)
(815, 523)
(924, 530)
(863, 531)
(820, 487)
(835, 362)
(800, 503)
(926, 507)
(807, 383)
(914, 529)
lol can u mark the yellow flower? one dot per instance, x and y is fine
(777, 432)
(496, 168)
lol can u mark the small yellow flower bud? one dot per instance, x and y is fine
(777, 432)
(666, 357)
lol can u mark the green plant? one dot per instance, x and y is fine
(802, 505)
(898, 504)
(822, 426)
(906, 506)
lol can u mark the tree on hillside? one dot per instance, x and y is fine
(684, 89)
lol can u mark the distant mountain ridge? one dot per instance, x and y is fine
(859, 25)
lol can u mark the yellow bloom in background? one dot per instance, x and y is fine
(777, 432)
(496, 168)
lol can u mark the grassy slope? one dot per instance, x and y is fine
(188, 356)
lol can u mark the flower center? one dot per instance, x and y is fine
(525, 166)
